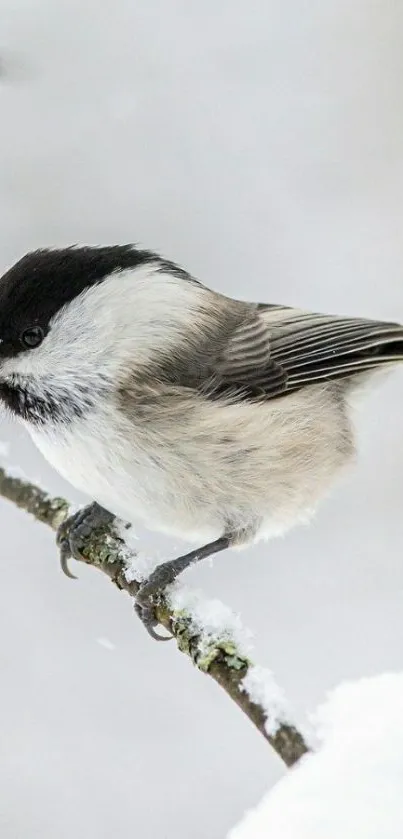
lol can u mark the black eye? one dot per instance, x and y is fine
(32, 337)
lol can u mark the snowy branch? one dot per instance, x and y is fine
(214, 652)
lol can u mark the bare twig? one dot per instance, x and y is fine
(218, 656)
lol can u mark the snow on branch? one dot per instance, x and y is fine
(205, 630)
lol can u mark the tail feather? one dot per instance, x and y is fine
(278, 350)
(310, 348)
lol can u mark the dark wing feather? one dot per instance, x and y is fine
(279, 350)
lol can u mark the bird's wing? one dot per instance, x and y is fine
(276, 350)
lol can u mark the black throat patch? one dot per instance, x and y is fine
(47, 406)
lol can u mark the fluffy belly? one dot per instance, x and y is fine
(134, 489)
(248, 473)
(139, 491)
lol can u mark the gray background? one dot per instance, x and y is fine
(259, 144)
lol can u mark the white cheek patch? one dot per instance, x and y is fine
(104, 328)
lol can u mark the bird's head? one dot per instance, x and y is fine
(64, 322)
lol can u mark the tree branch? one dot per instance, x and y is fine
(219, 656)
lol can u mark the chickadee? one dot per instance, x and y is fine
(218, 421)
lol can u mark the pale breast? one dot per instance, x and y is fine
(197, 471)
(98, 465)
(126, 479)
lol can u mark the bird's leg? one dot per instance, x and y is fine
(73, 533)
(163, 576)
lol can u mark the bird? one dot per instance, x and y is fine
(218, 421)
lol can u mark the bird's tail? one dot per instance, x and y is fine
(316, 347)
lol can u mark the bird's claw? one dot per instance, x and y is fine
(65, 555)
(73, 533)
(145, 605)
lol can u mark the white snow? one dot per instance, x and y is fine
(215, 622)
(211, 618)
(262, 688)
(139, 564)
(352, 787)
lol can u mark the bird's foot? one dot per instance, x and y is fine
(152, 589)
(149, 595)
(73, 533)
